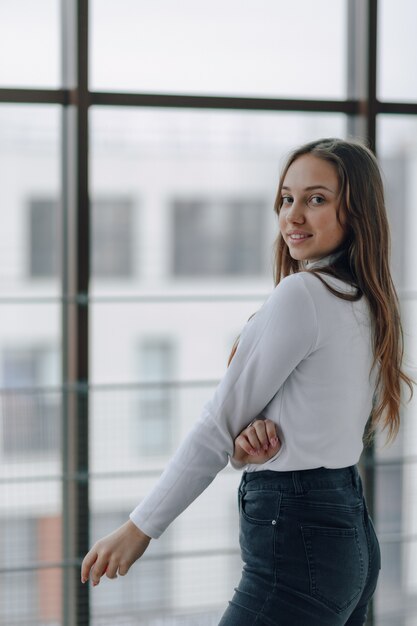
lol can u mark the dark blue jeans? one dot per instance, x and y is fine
(310, 552)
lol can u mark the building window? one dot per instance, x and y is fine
(31, 420)
(217, 237)
(43, 238)
(155, 410)
(112, 238)
(112, 247)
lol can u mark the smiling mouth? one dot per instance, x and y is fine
(298, 239)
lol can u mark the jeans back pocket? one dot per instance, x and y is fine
(335, 563)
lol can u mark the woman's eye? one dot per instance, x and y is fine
(286, 200)
(316, 200)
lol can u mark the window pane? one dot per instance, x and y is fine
(236, 47)
(30, 418)
(201, 187)
(397, 152)
(397, 50)
(395, 504)
(30, 368)
(154, 415)
(184, 197)
(31, 422)
(30, 172)
(29, 43)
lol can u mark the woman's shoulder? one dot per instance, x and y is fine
(292, 293)
(342, 300)
(304, 288)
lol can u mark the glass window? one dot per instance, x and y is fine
(30, 331)
(31, 421)
(30, 370)
(397, 50)
(236, 47)
(30, 43)
(30, 166)
(231, 162)
(397, 153)
(226, 159)
(155, 404)
(205, 183)
(111, 249)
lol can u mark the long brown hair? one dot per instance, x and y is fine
(363, 261)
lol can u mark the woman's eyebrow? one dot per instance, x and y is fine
(310, 187)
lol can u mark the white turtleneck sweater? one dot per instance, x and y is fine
(303, 361)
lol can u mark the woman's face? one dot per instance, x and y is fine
(309, 202)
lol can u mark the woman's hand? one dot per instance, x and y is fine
(115, 553)
(257, 443)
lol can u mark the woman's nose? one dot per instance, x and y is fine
(296, 212)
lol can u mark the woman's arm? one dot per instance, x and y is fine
(281, 334)
(116, 553)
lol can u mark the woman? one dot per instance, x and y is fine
(321, 355)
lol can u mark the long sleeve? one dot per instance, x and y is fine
(273, 342)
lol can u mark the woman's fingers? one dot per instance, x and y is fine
(254, 440)
(88, 563)
(110, 566)
(99, 568)
(242, 442)
(258, 436)
(111, 569)
(124, 567)
(271, 432)
(262, 434)
(257, 443)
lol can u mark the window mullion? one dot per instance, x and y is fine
(75, 312)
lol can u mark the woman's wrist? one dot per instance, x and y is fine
(137, 530)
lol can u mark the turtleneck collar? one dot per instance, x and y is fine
(323, 261)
